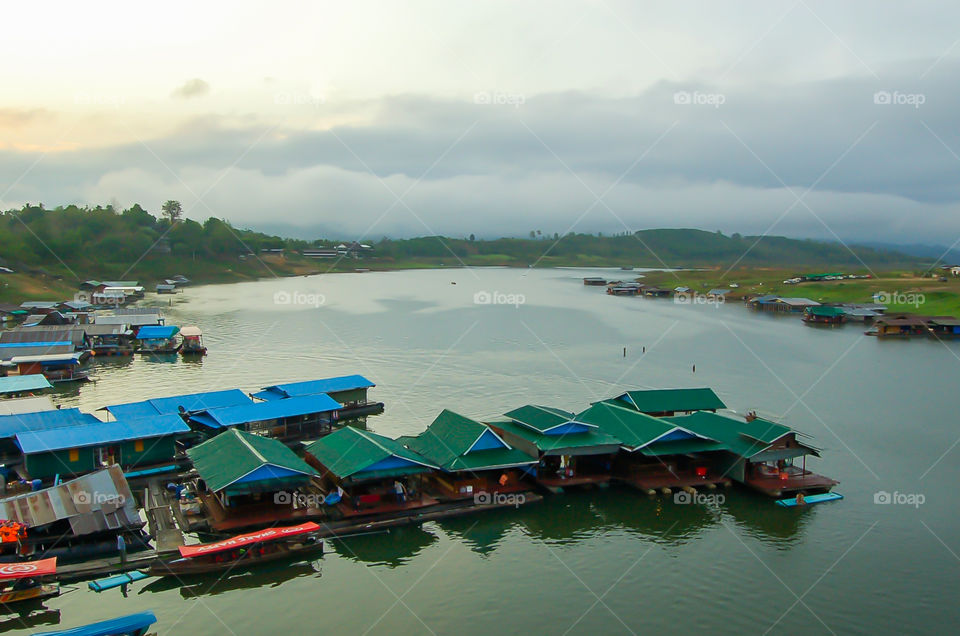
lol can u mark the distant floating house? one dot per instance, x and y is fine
(663, 402)
(472, 458)
(718, 293)
(319, 253)
(570, 452)
(900, 326)
(824, 315)
(376, 474)
(944, 327)
(594, 281)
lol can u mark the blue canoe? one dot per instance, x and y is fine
(116, 581)
(131, 625)
(811, 499)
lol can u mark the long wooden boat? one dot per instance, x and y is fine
(244, 551)
(20, 582)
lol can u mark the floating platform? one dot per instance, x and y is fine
(812, 499)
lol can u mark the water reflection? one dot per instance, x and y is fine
(392, 549)
(30, 618)
(763, 519)
(273, 575)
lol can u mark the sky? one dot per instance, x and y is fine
(368, 119)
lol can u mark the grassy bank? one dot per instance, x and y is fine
(905, 290)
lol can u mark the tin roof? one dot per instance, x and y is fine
(189, 402)
(546, 419)
(457, 443)
(95, 434)
(233, 455)
(21, 383)
(667, 400)
(313, 387)
(351, 452)
(263, 411)
(10, 425)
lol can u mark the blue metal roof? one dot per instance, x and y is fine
(130, 624)
(20, 383)
(53, 343)
(10, 425)
(263, 411)
(94, 434)
(189, 402)
(157, 332)
(314, 387)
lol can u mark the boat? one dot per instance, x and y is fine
(158, 339)
(129, 625)
(20, 582)
(192, 344)
(243, 551)
(791, 502)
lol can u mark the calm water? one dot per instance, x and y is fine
(601, 562)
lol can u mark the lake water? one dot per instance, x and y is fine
(601, 562)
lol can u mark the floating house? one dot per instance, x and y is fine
(12, 425)
(72, 450)
(109, 340)
(900, 326)
(248, 480)
(944, 327)
(158, 339)
(594, 281)
(56, 367)
(183, 404)
(20, 385)
(661, 402)
(656, 292)
(782, 304)
(291, 419)
(656, 453)
(569, 452)
(132, 320)
(625, 289)
(42, 340)
(473, 459)
(349, 390)
(166, 289)
(376, 474)
(758, 453)
(718, 294)
(824, 315)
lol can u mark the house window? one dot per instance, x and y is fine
(138, 446)
(74, 454)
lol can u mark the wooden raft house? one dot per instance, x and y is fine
(474, 461)
(569, 452)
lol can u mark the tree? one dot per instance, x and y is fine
(533, 234)
(173, 211)
(473, 238)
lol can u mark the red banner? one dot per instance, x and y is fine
(26, 569)
(270, 534)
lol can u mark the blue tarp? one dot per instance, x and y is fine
(134, 624)
(263, 411)
(95, 434)
(10, 425)
(157, 332)
(314, 387)
(189, 402)
(21, 383)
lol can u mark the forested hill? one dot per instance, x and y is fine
(71, 243)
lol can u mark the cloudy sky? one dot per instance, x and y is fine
(364, 119)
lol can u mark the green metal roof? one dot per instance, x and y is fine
(681, 447)
(540, 418)
(552, 443)
(743, 438)
(822, 310)
(448, 442)
(232, 455)
(666, 400)
(350, 450)
(632, 428)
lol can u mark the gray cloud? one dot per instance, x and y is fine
(879, 165)
(192, 88)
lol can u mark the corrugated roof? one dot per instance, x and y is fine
(157, 332)
(263, 411)
(666, 400)
(232, 455)
(592, 438)
(743, 438)
(190, 402)
(632, 428)
(132, 320)
(349, 451)
(542, 418)
(824, 310)
(449, 439)
(94, 434)
(313, 387)
(20, 383)
(44, 334)
(10, 425)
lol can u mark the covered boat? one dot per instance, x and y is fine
(244, 551)
(158, 339)
(192, 344)
(21, 582)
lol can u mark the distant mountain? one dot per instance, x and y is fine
(945, 254)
